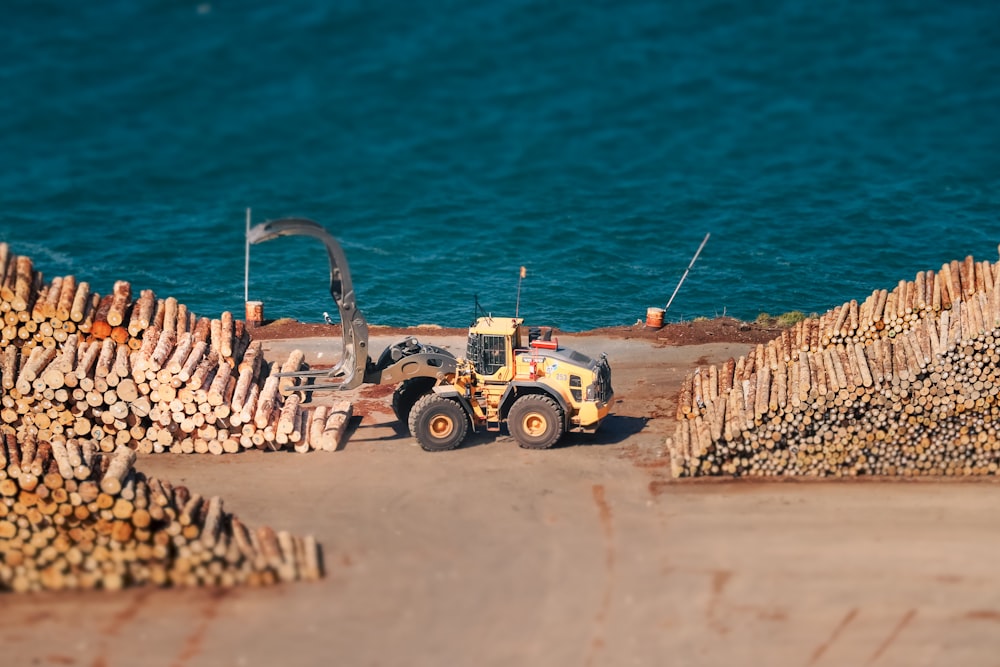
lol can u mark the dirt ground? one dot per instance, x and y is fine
(587, 554)
(693, 332)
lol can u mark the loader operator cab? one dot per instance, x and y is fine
(487, 352)
(491, 343)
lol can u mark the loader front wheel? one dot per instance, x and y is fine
(535, 421)
(438, 423)
(407, 394)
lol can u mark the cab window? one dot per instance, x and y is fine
(488, 353)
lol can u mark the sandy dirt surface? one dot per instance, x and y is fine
(587, 554)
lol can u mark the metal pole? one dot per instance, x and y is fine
(517, 306)
(704, 241)
(246, 263)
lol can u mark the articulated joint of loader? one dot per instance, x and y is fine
(410, 358)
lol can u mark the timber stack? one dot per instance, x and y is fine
(905, 383)
(143, 372)
(74, 517)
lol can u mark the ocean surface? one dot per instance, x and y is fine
(829, 149)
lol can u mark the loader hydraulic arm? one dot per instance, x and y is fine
(350, 371)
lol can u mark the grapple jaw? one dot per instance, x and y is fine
(353, 366)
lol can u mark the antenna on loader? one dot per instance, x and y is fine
(478, 310)
(517, 305)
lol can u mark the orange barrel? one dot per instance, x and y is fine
(654, 318)
(255, 313)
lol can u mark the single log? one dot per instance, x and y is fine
(122, 367)
(9, 366)
(294, 362)
(267, 402)
(202, 330)
(106, 358)
(242, 389)
(90, 312)
(48, 299)
(335, 426)
(120, 465)
(183, 319)
(180, 354)
(217, 389)
(967, 270)
(164, 347)
(170, 314)
(948, 290)
(86, 359)
(212, 524)
(226, 336)
(5, 259)
(141, 358)
(24, 284)
(289, 413)
(100, 327)
(64, 298)
(249, 409)
(203, 375)
(193, 361)
(142, 313)
(81, 302)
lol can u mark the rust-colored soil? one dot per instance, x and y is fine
(695, 332)
(289, 328)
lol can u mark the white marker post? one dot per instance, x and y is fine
(246, 263)
(254, 309)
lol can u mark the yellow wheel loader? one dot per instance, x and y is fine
(511, 374)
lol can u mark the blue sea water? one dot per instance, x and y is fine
(829, 148)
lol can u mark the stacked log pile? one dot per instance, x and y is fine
(145, 372)
(86, 382)
(905, 383)
(74, 517)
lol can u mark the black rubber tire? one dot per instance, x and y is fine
(407, 394)
(536, 421)
(438, 423)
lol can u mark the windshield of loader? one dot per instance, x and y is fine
(488, 353)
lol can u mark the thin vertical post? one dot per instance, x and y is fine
(517, 305)
(704, 241)
(246, 263)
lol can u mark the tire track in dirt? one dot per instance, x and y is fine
(601, 617)
(720, 579)
(193, 644)
(118, 622)
(903, 622)
(822, 648)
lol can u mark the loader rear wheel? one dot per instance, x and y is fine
(535, 421)
(407, 394)
(438, 423)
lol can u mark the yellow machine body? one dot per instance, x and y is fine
(504, 361)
